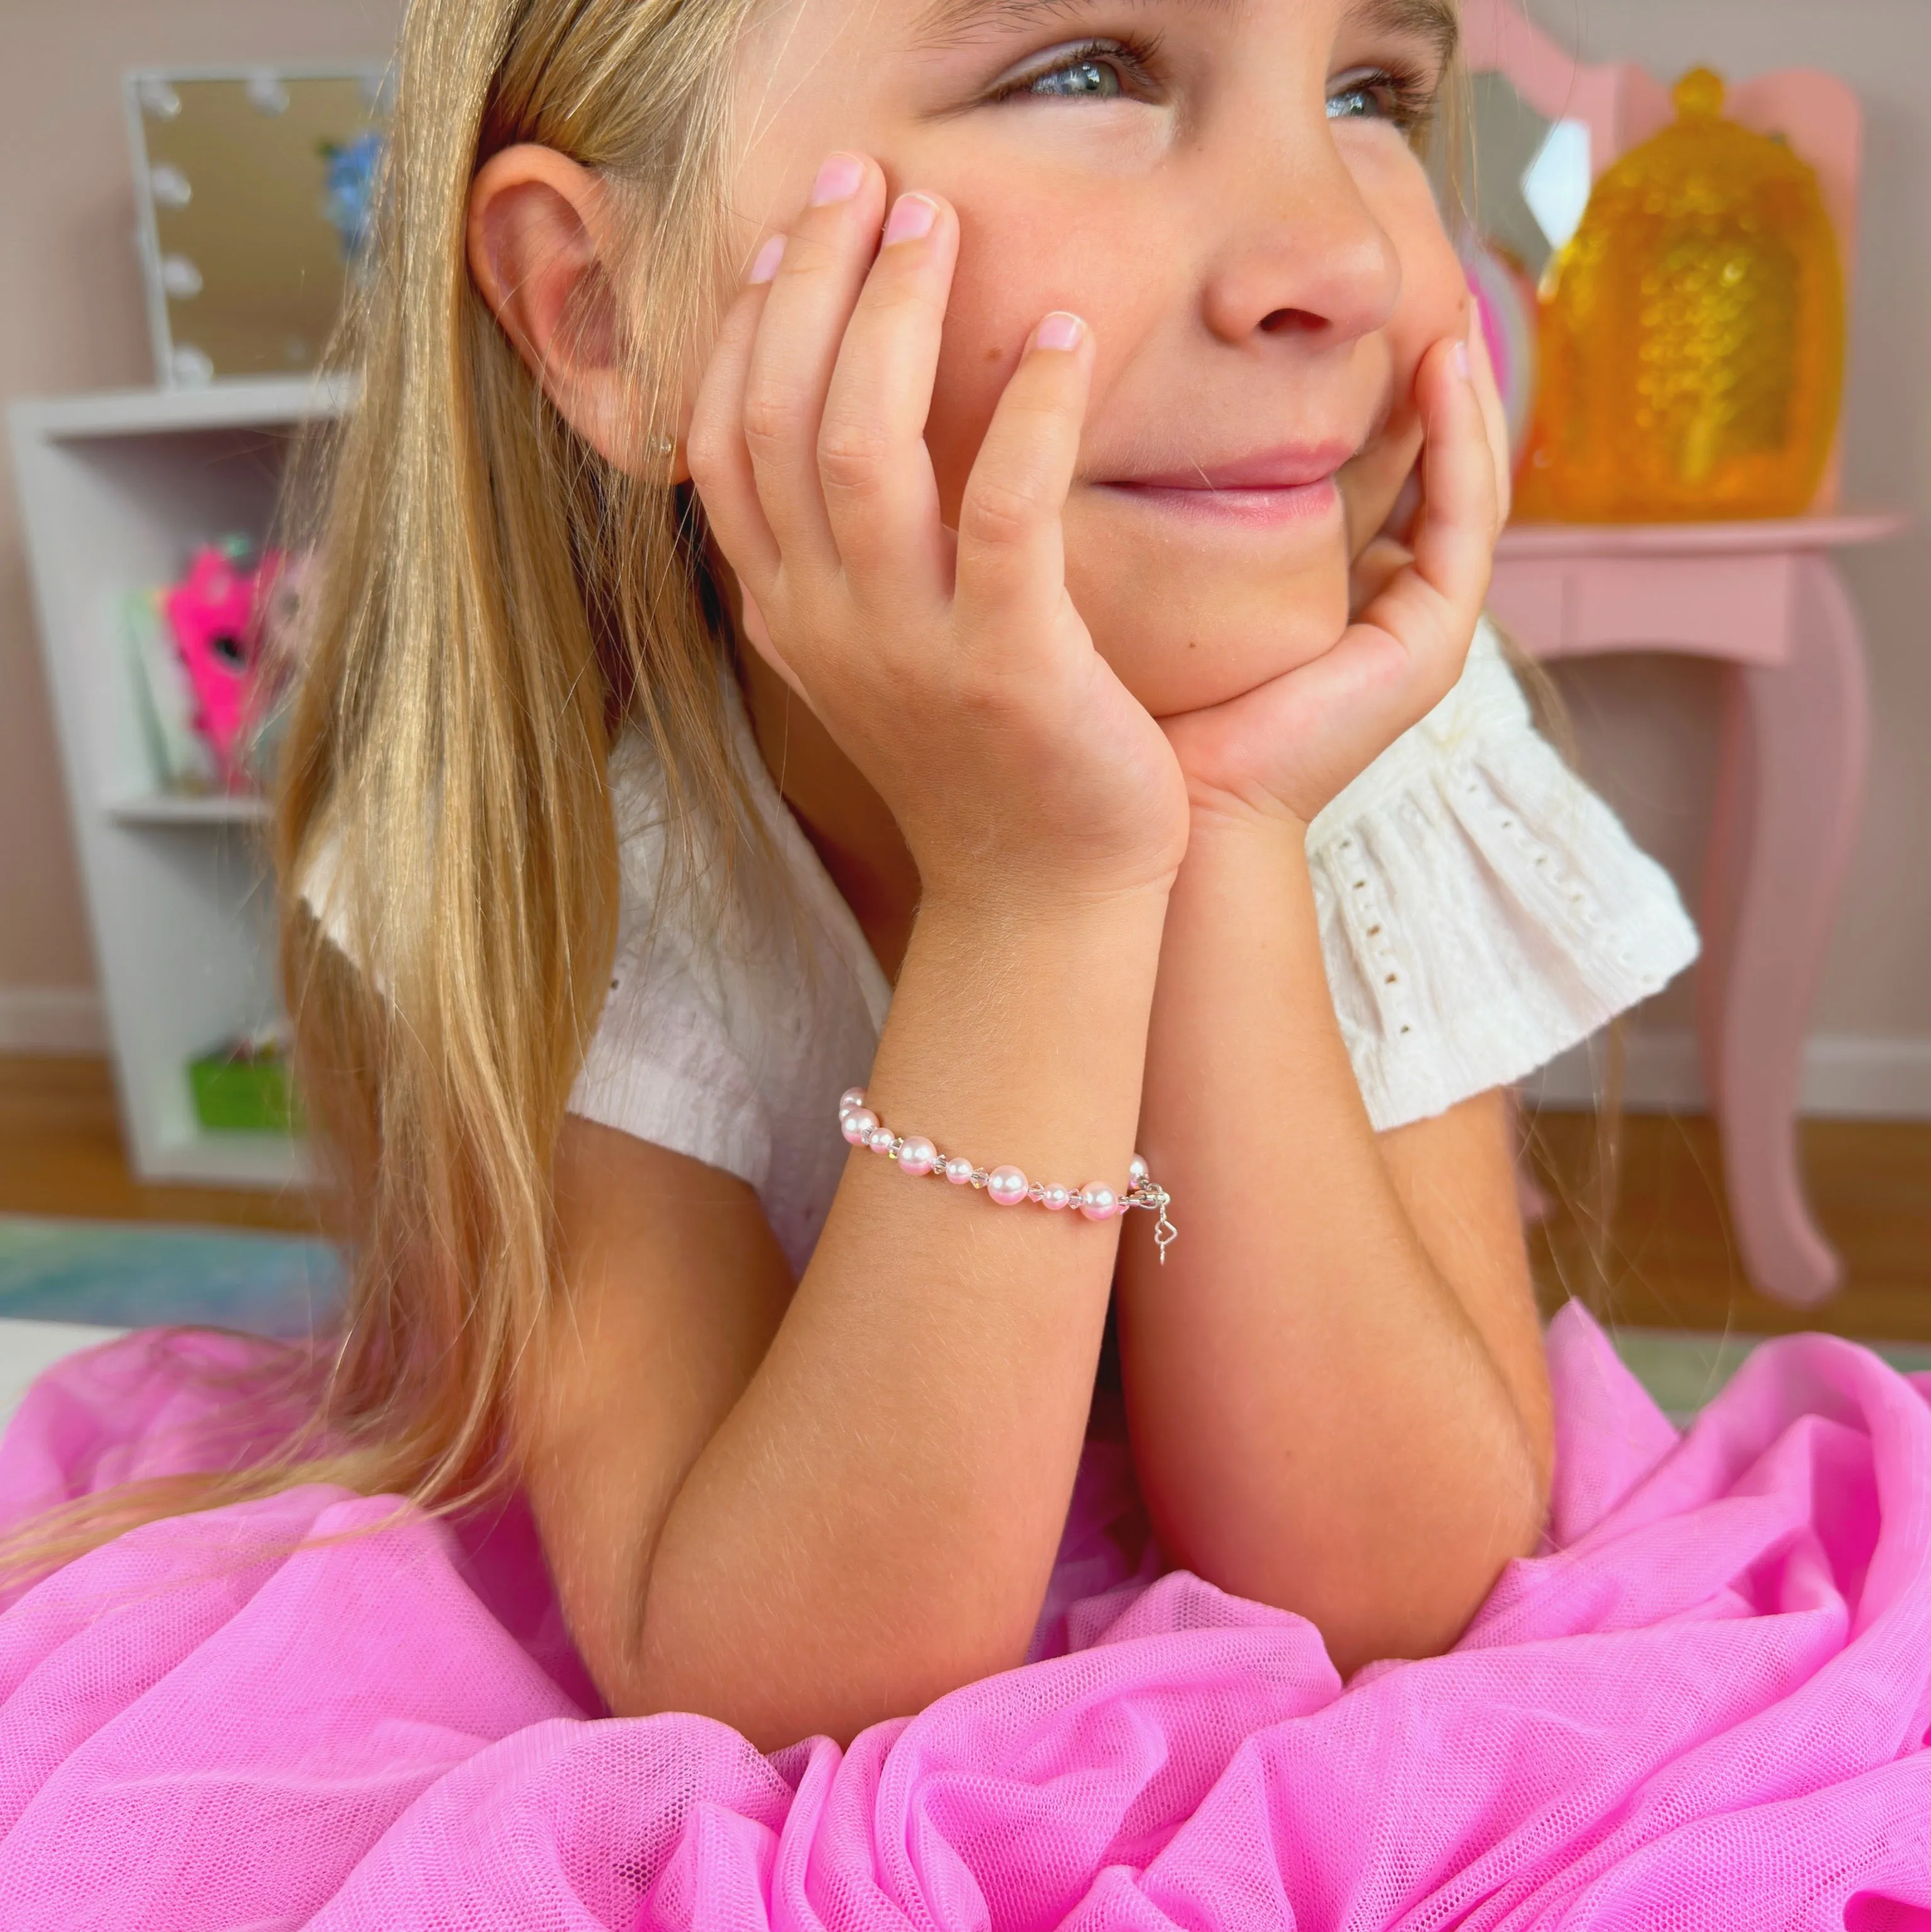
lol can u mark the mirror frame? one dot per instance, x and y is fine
(373, 76)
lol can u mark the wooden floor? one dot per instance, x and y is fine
(1668, 1260)
(60, 1154)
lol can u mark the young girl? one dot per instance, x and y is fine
(868, 559)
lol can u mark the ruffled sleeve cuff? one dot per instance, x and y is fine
(1482, 911)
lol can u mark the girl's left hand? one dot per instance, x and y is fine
(1285, 749)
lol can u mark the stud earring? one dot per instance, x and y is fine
(663, 446)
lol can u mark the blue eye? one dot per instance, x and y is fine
(1106, 70)
(1406, 102)
(1083, 80)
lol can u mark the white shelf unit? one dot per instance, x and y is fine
(116, 490)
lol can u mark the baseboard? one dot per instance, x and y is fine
(51, 1019)
(1849, 1076)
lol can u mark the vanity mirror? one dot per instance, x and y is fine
(1528, 176)
(1520, 183)
(253, 187)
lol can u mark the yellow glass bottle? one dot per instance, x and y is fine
(1691, 333)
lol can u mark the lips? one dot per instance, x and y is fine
(1266, 489)
(1287, 466)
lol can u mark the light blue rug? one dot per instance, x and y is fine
(140, 1274)
(1682, 1370)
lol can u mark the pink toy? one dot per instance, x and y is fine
(214, 613)
(1505, 301)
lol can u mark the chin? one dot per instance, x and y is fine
(1186, 632)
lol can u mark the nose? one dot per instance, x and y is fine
(1305, 255)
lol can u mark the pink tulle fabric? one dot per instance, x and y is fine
(1705, 1706)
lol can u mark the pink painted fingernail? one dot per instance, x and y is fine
(1459, 360)
(838, 179)
(911, 219)
(1059, 331)
(764, 263)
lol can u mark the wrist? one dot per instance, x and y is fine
(1018, 1032)
(1007, 901)
(1232, 856)
(1216, 817)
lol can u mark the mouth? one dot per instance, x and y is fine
(1292, 484)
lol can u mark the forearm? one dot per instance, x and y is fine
(1318, 1420)
(875, 1521)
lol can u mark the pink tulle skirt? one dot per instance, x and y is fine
(1706, 1707)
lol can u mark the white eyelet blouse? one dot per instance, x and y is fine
(1481, 911)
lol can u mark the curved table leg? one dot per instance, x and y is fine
(1790, 790)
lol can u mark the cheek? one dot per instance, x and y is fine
(1024, 252)
(1184, 627)
(1434, 303)
(986, 329)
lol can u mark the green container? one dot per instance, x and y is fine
(247, 1095)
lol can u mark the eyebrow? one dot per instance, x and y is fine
(1435, 21)
(947, 22)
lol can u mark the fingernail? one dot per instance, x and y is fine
(1059, 331)
(764, 263)
(911, 219)
(838, 179)
(1459, 360)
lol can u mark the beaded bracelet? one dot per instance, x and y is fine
(1007, 1186)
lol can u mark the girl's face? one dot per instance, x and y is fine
(1226, 190)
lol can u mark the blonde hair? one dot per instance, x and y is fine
(493, 601)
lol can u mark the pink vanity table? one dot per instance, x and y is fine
(1764, 599)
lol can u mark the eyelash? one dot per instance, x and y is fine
(1131, 59)
(1408, 100)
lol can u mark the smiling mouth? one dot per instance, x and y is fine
(1288, 485)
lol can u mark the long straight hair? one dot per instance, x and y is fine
(491, 603)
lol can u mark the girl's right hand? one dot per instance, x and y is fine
(949, 666)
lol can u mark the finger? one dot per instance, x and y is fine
(1455, 542)
(1482, 371)
(1406, 511)
(1340, 709)
(714, 445)
(1012, 549)
(751, 624)
(827, 254)
(1432, 607)
(1371, 572)
(873, 467)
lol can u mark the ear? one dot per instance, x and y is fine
(540, 241)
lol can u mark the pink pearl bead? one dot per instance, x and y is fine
(1055, 1199)
(852, 1097)
(880, 1139)
(1007, 1186)
(856, 1125)
(958, 1171)
(1096, 1202)
(1136, 1168)
(917, 1155)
